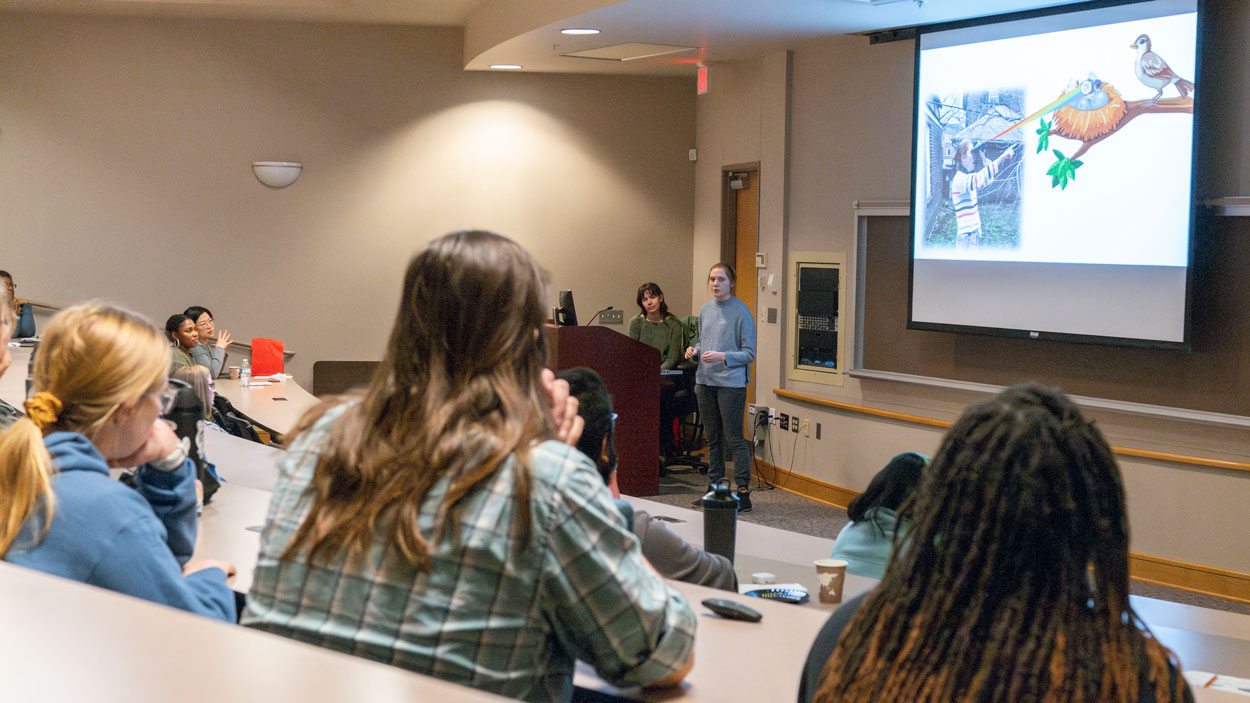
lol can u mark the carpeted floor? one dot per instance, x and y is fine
(787, 511)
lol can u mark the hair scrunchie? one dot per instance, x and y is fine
(43, 408)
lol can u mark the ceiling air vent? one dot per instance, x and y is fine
(629, 52)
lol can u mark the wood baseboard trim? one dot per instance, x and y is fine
(933, 422)
(1195, 578)
(804, 486)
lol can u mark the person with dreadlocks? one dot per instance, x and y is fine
(1013, 583)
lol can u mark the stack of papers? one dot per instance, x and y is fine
(1215, 682)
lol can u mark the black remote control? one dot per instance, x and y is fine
(733, 611)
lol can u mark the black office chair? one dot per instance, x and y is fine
(232, 421)
(685, 407)
(689, 435)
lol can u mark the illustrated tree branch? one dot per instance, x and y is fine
(1134, 109)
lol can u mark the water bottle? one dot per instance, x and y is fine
(720, 520)
(245, 374)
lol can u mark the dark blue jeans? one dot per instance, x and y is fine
(721, 411)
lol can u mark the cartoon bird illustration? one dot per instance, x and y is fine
(1154, 72)
(1084, 95)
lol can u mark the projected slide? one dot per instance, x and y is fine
(1063, 140)
(1063, 146)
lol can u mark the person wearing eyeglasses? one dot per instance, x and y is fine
(23, 315)
(61, 513)
(211, 356)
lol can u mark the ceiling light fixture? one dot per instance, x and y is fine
(277, 174)
(507, 66)
(574, 30)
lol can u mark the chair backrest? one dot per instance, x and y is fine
(690, 329)
(337, 377)
(690, 336)
(230, 419)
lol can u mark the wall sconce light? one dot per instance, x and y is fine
(277, 174)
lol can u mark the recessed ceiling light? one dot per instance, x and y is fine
(579, 31)
(506, 66)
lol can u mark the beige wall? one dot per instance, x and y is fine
(728, 125)
(849, 134)
(126, 144)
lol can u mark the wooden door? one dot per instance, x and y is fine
(743, 233)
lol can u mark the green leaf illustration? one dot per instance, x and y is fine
(1043, 137)
(1062, 170)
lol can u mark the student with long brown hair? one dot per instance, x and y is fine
(436, 524)
(1013, 586)
(99, 390)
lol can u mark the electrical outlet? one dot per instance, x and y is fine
(751, 410)
(613, 317)
(772, 415)
(785, 422)
(806, 428)
(794, 424)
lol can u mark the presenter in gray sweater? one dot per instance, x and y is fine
(725, 350)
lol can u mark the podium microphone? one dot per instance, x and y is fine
(596, 315)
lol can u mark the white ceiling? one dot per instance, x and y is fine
(428, 12)
(526, 32)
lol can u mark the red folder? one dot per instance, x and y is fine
(266, 356)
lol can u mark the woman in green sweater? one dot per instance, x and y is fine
(657, 327)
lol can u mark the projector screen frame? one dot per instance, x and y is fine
(1185, 344)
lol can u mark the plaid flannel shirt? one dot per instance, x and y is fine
(491, 613)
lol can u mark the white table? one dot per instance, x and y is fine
(242, 462)
(1204, 639)
(66, 642)
(787, 555)
(230, 529)
(733, 660)
(278, 406)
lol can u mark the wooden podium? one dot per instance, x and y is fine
(631, 371)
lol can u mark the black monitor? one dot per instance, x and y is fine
(566, 313)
